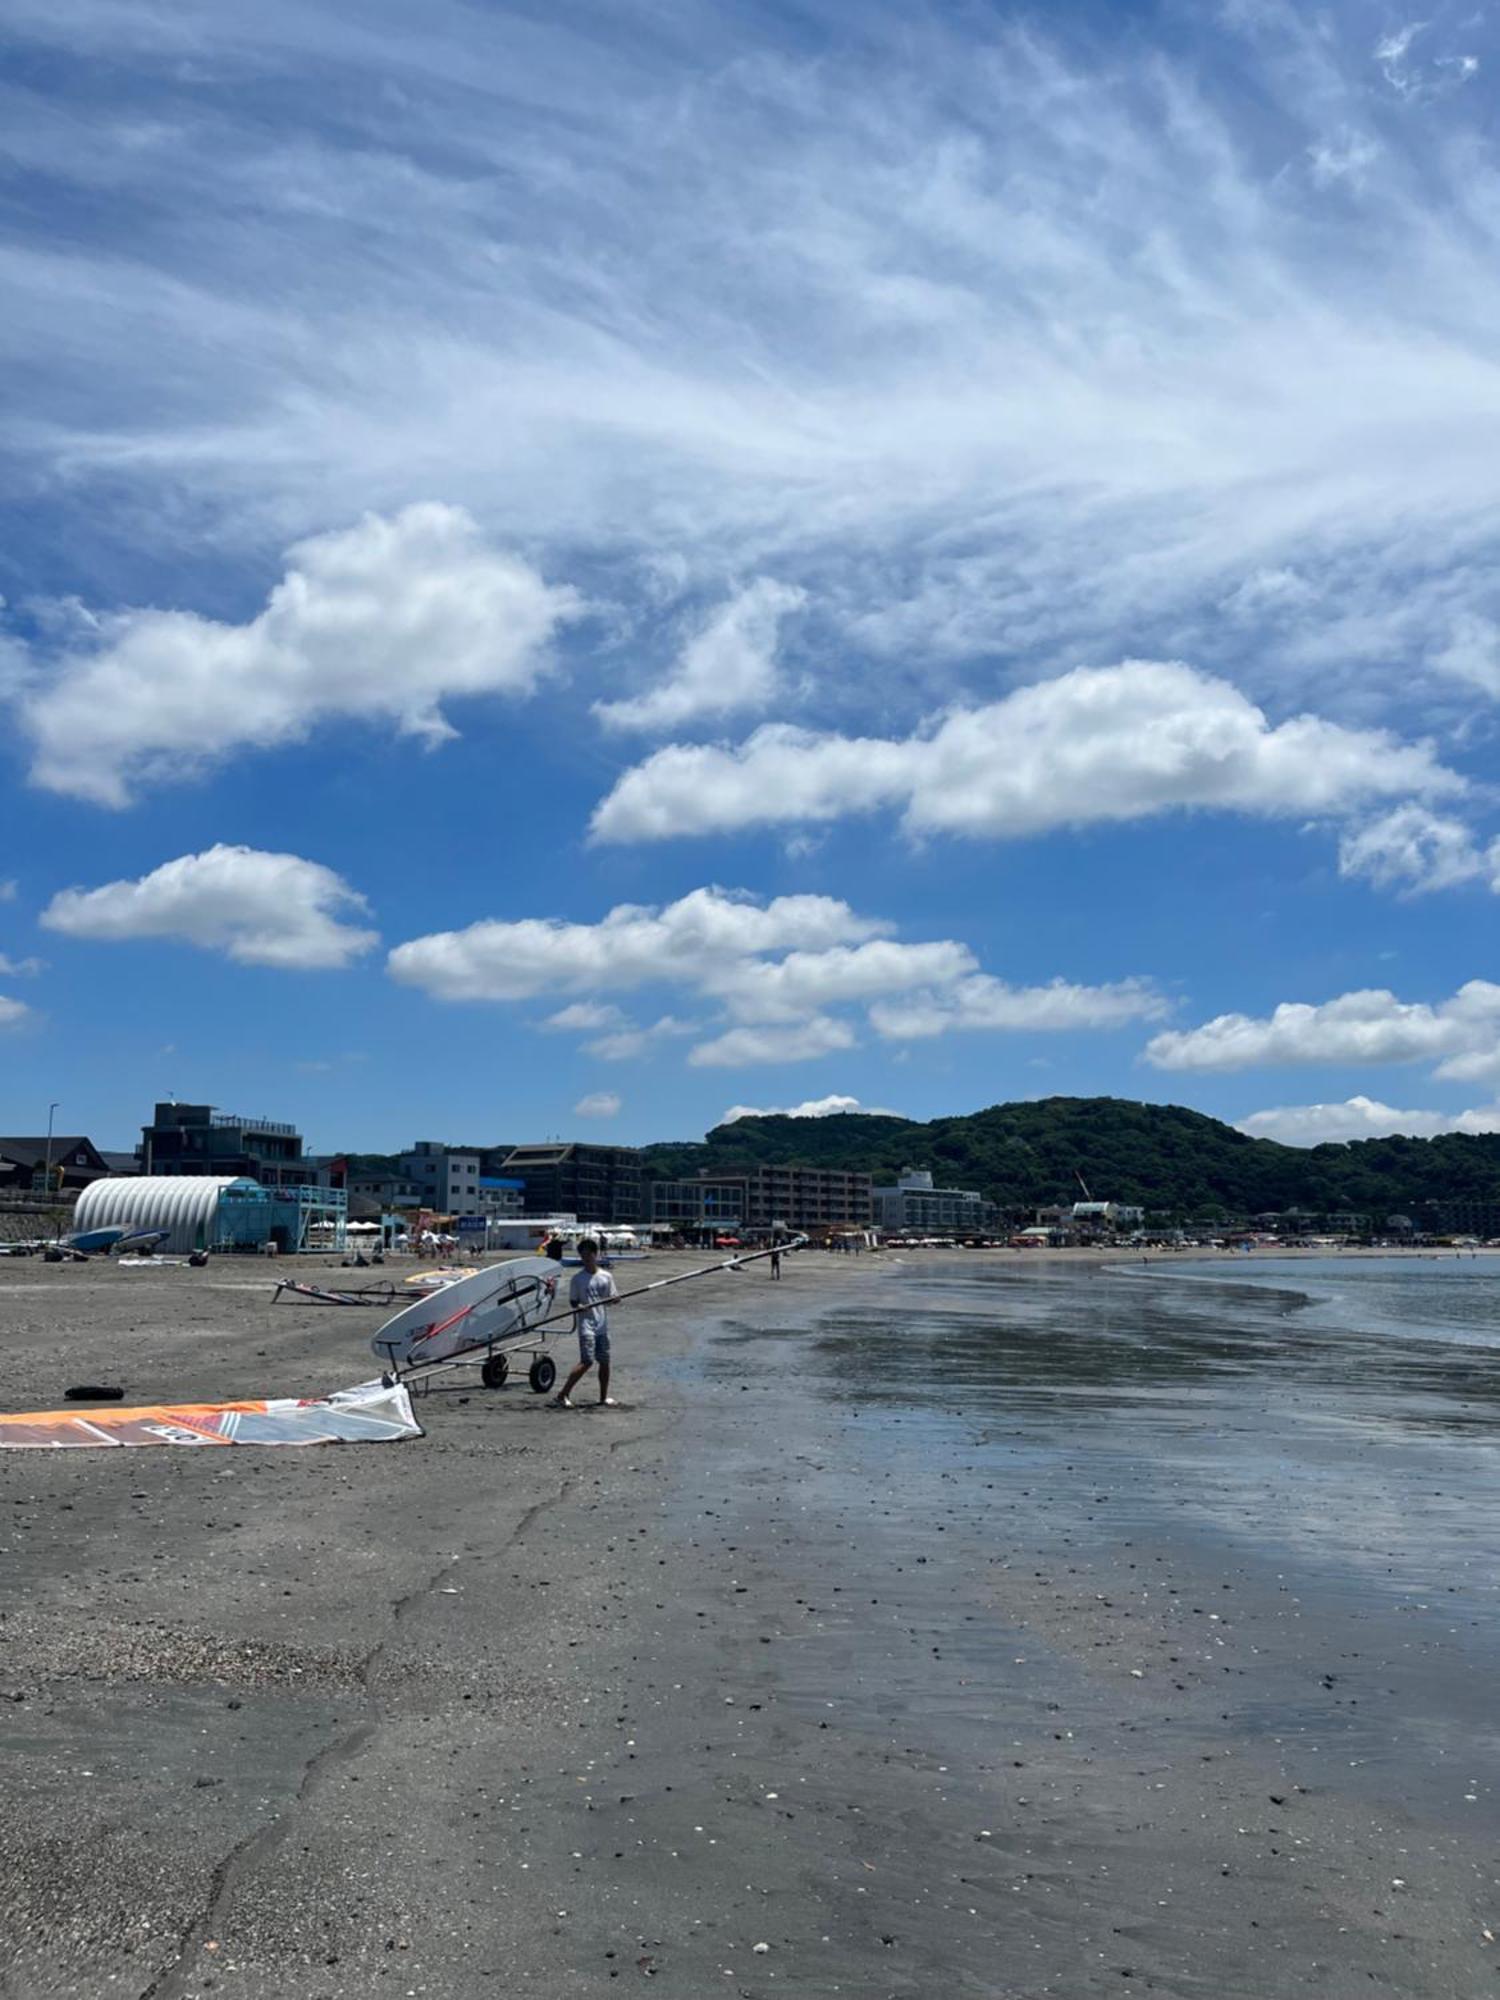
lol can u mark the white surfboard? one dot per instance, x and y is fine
(484, 1307)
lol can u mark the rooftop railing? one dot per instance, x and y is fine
(233, 1118)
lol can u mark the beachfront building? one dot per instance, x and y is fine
(810, 1200)
(446, 1177)
(46, 1165)
(198, 1140)
(596, 1183)
(217, 1212)
(915, 1207)
(501, 1197)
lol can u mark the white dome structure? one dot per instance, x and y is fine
(187, 1205)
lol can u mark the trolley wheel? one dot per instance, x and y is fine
(542, 1373)
(494, 1371)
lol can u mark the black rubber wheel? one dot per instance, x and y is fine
(542, 1373)
(494, 1371)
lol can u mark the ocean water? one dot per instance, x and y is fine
(1339, 1419)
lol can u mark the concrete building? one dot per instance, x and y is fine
(915, 1207)
(501, 1199)
(197, 1139)
(446, 1177)
(811, 1199)
(595, 1183)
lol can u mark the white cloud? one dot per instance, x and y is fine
(982, 1002)
(1461, 1035)
(257, 908)
(1095, 745)
(1361, 1118)
(1470, 653)
(728, 666)
(796, 1041)
(20, 968)
(628, 1041)
(772, 971)
(13, 1012)
(583, 1017)
(1345, 158)
(598, 1104)
(805, 981)
(811, 1107)
(1416, 850)
(383, 621)
(998, 343)
(7, 891)
(634, 945)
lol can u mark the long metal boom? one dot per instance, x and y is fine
(682, 1277)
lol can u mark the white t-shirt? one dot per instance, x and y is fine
(589, 1294)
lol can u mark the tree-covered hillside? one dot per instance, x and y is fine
(1170, 1159)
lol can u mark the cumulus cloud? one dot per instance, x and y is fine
(382, 621)
(795, 1041)
(583, 1017)
(13, 1012)
(1097, 744)
(20, 968)
(726, 667)
(634, 945)
(1415, 850)
(805, 981)
(628, 1040)
(598, 1104)
(1460, 1035)
(982, 1002)
(256, 908)
(811, 1107)
(1361, 1118)
(772, 970)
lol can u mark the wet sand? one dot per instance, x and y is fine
(930, 1655)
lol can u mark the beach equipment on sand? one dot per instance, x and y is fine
(491, 1317)
(382, 1293)
(372, 1413)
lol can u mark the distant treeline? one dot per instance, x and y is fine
(1173, 1161)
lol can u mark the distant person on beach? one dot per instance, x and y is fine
(589, 1295)
(775, 1263)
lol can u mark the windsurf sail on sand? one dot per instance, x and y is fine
(382, 1294)
(371, 1413)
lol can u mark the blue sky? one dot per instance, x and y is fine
(566, 570)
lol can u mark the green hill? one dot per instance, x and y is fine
(1171, 1160)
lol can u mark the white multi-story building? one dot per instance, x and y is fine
(447, 1177)
(914, 1205)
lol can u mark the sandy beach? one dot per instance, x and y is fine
(795, 1674)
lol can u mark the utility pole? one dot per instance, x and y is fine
(47, 1174)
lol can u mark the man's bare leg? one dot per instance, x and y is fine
(566, 1391)
(603, 1381)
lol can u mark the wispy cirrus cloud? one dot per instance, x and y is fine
(728, 666)
(989, 340)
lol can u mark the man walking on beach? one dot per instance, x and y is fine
(589, 1296)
